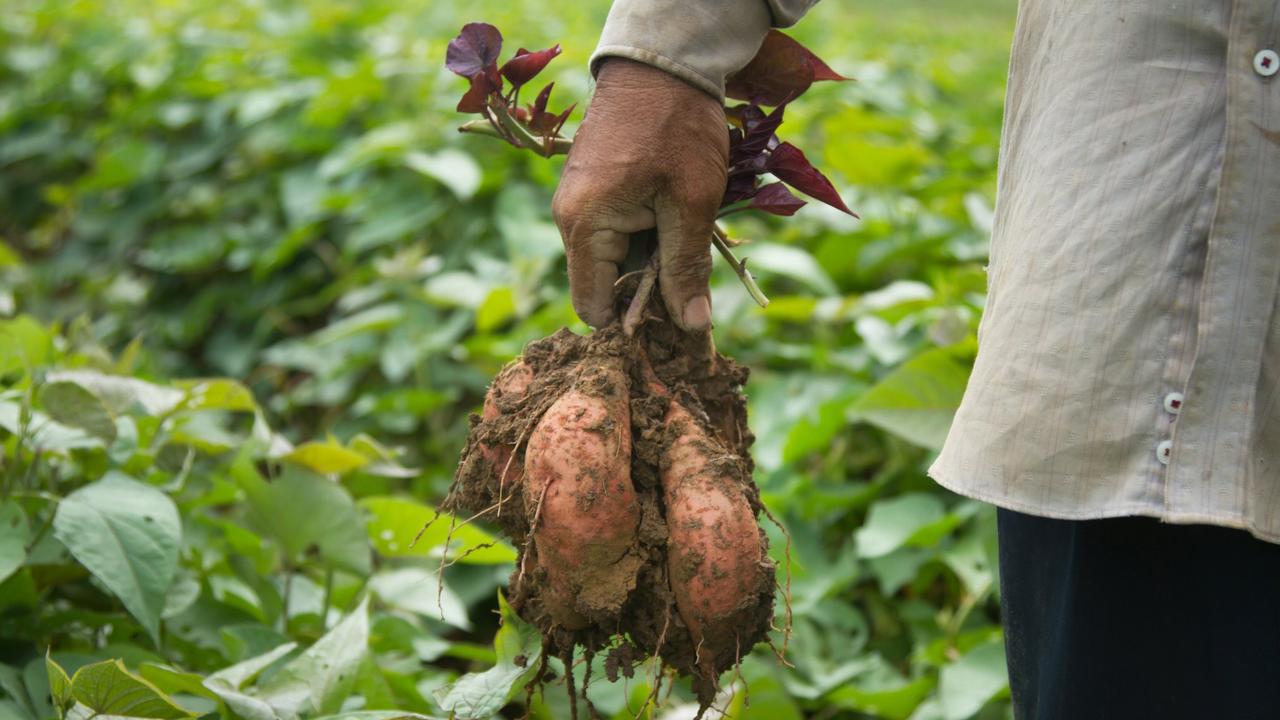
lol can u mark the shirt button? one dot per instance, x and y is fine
(1266, 63)
(1163, 451)
(1173, 403)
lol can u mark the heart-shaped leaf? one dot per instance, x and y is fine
(127, 534)
(108, 688)
(474, 50)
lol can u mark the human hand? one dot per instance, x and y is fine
(651, 152)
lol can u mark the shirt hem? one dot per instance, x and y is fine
(1164, 515)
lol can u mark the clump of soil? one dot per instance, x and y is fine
(642, 621)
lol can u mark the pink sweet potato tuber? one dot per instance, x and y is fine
(508, 388)
(715, 557)
(579, 493)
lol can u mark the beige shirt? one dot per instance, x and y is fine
(1129, 354)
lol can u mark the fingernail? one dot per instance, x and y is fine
(697, 313)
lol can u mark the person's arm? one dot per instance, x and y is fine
(652, 150)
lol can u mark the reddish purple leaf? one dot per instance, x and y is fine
(780, 71)
(740, 187)
(788, 164)
(757, 133)
(474, 50)
(540, 103)
(545, 123)
(777, 199)
(474, 99)
(525, 65)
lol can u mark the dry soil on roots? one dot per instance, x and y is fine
(643, 620)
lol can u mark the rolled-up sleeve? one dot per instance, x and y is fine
(698, 41)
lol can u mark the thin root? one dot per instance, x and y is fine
(636, 310)
(786, 592)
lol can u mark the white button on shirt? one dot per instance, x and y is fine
(1163, 451)
(1173, 403)
(1266, 63)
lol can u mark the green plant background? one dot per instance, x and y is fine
(252, 282)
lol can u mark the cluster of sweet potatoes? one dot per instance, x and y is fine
(619, 466)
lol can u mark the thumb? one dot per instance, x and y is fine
(684, 257)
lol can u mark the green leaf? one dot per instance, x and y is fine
(121, 394)
(242, 672)
(127, 534)
(13, 686)
(379, 715)
(973, 680)
(24, 343)
(217, 394)
(455, 169)
(228, 682)
(477, 696)
(894, 703)
(108, 688)
(59, 686)
(890, 523)
(173, 680)
(917, 400)
(73, 405)
(43, 432)
(308, 514)
(327, 458)
(791, 262)
(320, 679)
(395, 522)
(497, 308)
(14, 532)
(418, 590)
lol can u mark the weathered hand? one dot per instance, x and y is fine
(652, 151)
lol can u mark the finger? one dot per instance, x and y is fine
(684, 254)
(593, 269)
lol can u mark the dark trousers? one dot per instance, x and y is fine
(1131, 618)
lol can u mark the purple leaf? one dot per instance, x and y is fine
(474, 50)
(543, 122)
(780, 71)
(788, 164)
(756, 135)
(777, 199)
(540, 103)
(474, 99)
(739, 187)
(525, 65)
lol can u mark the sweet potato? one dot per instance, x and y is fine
(508, 387)
(715, 561)
(578, 492)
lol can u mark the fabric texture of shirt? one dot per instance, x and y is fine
(1129, 353)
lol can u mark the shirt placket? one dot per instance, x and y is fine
(1207, 455)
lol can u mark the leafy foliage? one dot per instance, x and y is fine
(271, 200)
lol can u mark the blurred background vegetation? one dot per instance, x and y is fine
(252, 282)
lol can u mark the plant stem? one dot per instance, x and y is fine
(722, 242)
(521, 133)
